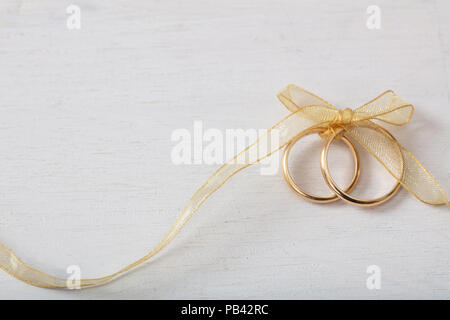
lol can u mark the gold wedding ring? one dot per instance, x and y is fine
(344, 194)
(312, 197)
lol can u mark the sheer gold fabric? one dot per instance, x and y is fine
(308, 112)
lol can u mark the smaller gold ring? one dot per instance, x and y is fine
(312, 197)
(344, 194)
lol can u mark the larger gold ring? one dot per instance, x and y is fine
(344, 194)
(312, 197)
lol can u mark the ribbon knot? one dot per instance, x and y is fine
(343, 117)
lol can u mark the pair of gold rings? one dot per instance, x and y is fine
(339, 193)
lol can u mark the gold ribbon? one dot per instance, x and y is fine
(308, 112)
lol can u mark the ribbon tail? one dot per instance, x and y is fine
(400, 163)
(274, 139)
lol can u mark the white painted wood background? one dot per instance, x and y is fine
(86, 118)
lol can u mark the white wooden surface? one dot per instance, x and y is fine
(85, 123)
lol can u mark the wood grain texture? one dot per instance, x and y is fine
(86, 118)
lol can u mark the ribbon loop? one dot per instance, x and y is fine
(387, 107)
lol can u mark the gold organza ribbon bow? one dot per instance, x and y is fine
(308, 112)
